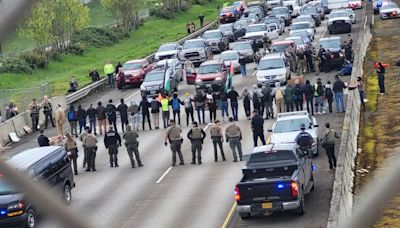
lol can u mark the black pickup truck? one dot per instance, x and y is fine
(275, 178)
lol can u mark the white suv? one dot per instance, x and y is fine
(273, 68)
(287, 127)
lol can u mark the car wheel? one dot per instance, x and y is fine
(245, 216)
(30, 218)
(302, 208)
(67, 196)
(312, 179)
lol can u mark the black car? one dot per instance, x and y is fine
(50, 165)
(276, 177)
(334, 46)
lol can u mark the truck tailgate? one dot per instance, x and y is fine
(265, 191)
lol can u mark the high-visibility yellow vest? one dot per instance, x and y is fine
(165, 104)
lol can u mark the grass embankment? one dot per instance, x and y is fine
(98, 17)
(141, 43)
(381, 124)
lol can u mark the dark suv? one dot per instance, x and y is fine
(50, 165)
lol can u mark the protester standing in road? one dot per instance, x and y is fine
(348, 52)
(196, 135)
(188, 108)
(132, 145)
(308, 92)
(329, 95)
(112, 141)
(266, 101)
(92, 113)
(81, 115)
(328, 143)
(381, 78)
(144, 106)
(165, 110)
(319, 96)
(317, 61)
(109, 71)
(43, 140)
(123, 114)
(246, 102)
(328, 61)
(176, 107)
(233, 135)
(242, 63)
(308, 53)
(155, 112)
(101, 117)
(200, 101)
(211, 99)
(256, 94)
(279, 95)
(298, 95)
(233, 97)
(48, 111)
(301, 62)
(72, 151)
(289, 98)
(223, 103)
(111, 112)
(82, 138)
(60, 120)
(121, 79)
(173, 135)
(94, 75)
(91, 148)
(136, 115)
(257, 125)
(72, 119)
(338, 87)
(34, 112)
(322, 58)
(217, 139)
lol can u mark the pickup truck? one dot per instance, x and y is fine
(275, 178)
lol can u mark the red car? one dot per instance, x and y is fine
(134, 72)
(211, 74)
(190, 73)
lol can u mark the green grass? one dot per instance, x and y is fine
(141, 43)
(98, 16)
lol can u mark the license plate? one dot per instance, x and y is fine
(266, 205)
(208, 85)
(152, 92)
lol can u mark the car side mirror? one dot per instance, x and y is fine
(269, 130)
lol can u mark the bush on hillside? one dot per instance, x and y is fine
(96, 37)
(26, 62)
(35, 59)
(15, 65)
(75, 49)
(161, 13)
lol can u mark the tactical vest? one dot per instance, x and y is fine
(131, 139)
(233, 131)
(215, 131)
(196, 133)
(174, 133)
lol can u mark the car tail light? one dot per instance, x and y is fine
(295, 189)
(237, 193)
(229, 15)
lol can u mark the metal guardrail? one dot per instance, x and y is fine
(87, 90)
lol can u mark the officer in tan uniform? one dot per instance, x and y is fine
(196, 136)
(90, 142)
(217, 139)
(233, 135)
(173, 135)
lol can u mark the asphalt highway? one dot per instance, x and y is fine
(158, 195)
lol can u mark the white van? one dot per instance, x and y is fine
(337, 4)
(273, 68)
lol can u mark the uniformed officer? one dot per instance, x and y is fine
(217, 138)
(43, 140)
(48, 111)
(257, 125)
(90, 142)
(82, 139)
(111, 112)
(196, 136)
(111, 141)
(34, 112)
(233, 135)
(132, 145)
(173, 135)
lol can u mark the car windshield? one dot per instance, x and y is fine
(255, 10)
(297, 26)
(302, 33)
(297, 40)
(271, 20)
(5, 187)
(207, 69)
(131, 66)
(229, 56)
(212, 35)
(277, 11)
(389, 6)
(290, 125)
(282, 155)
(225, 27)
(241, 46)
(338, 14)
(303, 19)
(279, 47)
(310, 10)
(227, 9)
(241, 24)
(155, 76)
(193, 44)
(256, 28)
(329, 44)
(270, 64)
(167, 47)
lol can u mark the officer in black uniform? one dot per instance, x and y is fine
(123, 113)
(304, 140)
(257, 125)
(111, 141)
(43, 140)
(111, 114)
(196, 136)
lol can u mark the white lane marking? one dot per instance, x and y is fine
(323, 34)
(165, 174)
(129, 97)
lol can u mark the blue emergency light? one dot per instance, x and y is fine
(280, 186)
(2, 212)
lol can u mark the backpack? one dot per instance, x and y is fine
(279, 95)
(328, 92)
(320, 90)
(266, 93)
(175, 104)
(255, 97)
(154, 106)
(199, 97)
(246, 98)
(305, 139)
(188, 103)
(71, 116)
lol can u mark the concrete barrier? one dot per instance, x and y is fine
(342, 194)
